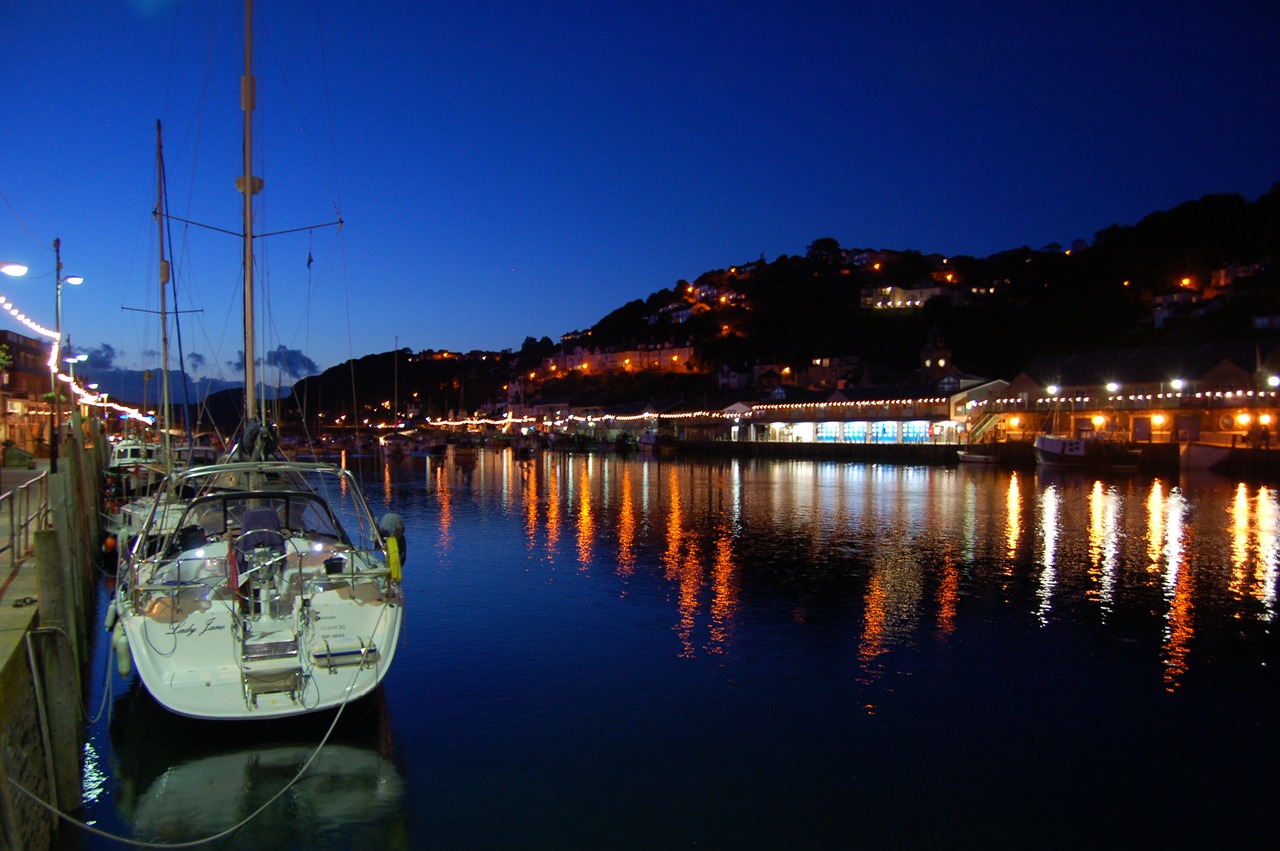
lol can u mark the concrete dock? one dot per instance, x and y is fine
(48, 522)
(17, 583)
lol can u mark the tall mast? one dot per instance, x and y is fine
(164, 316)
(248, 186)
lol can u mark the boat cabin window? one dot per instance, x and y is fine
(294, 513)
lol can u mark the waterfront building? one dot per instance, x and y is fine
(1209, 392)
(24, 385)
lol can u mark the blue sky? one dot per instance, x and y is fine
(521, 169)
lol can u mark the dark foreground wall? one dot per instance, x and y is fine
(1253, 465)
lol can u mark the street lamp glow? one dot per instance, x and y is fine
(1177, 384)
(1112, 387)
(1273, 381)
(1053, 389)
(13, 270)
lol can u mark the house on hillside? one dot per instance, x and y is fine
(894, 297)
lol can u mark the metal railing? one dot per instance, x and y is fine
(23, 511)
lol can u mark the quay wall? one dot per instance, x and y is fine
(22, 750)
(934, 454)
(1156, 458)
(1253, 465)
(50, 521)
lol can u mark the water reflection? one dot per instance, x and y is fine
(891, 550)
(176, 780)
(815, 642)
(342, 786)
(1049, 528)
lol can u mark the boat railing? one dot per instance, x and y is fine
(23, 511)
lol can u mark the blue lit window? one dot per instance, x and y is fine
(884, 432)
(915, 432)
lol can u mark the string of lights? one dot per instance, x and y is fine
(83, 395)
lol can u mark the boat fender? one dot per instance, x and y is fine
(124, 656)
(110, 621)
(393, 559)
(392, 528)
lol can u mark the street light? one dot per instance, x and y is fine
(72, 360)
(12, 269)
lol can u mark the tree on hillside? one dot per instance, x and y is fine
(825, 250)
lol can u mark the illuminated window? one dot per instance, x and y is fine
(916, 431)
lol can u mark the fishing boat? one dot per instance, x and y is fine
(977, 455)
(131, 467)
(258, 587)
(1085, 453)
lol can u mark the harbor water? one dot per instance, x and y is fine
(606, 651)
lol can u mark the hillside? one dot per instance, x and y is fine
(1212, 259)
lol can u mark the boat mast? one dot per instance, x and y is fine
(248, 186)
(166, 455)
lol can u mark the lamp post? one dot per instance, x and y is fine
(55, 428)
(72, 360)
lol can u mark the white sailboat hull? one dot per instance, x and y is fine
(227, 616)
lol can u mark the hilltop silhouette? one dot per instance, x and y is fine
(1202, 271)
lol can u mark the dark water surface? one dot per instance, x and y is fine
(606, 652)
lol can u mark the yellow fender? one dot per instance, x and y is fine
(393, 558)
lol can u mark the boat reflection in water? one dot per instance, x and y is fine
(343, 786)
(182, 780)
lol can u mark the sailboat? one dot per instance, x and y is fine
(258, 587)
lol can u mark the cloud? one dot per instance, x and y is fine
(196, 362)
(104, 356)
(291, 362)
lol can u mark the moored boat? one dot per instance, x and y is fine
(976, 456)
(257, 587)
(249, 594)
(1091, 453)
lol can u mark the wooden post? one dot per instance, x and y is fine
(83, 513)
(59, 674)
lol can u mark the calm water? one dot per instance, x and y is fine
(631, 653)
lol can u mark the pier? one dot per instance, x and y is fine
(49, 533)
